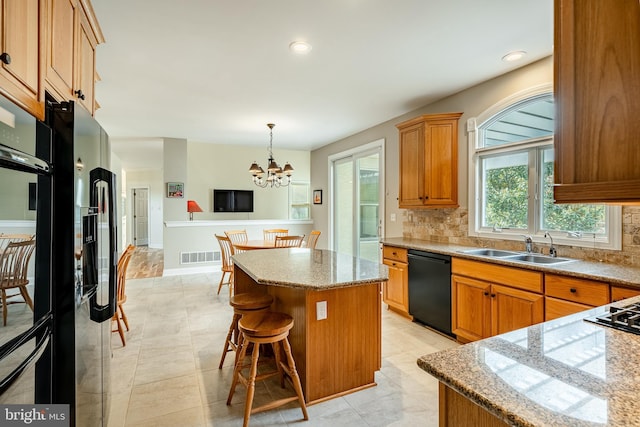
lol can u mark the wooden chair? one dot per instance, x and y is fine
(245, 303)
(226, 250)
(14, 262)
(237, 236)
(289, 241)
(120, 316)
(260, 329)
(5, 239)
(312, 240)
(270, 234)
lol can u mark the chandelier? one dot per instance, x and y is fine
(276, 176)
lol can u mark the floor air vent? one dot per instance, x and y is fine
(199, 257)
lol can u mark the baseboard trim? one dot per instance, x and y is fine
(192, 270)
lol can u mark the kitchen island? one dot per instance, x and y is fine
(567, 372)
(335, 302)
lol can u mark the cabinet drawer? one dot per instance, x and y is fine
(555, 308)
(577, 290)
(493, 273)
(394, 253)
(618, 293)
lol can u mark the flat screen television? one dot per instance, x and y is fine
(233, 200)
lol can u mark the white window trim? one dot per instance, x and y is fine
(473, 124)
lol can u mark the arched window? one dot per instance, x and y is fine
(511, 186)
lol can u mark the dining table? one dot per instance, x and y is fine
(249, 245)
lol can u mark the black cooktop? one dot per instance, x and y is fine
(625, 318)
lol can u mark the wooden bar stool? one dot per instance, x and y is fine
(265, 328)
(242, 304)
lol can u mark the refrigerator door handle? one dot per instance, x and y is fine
(42, 331)
(97, 312)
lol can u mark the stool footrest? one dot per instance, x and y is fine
(274, 404)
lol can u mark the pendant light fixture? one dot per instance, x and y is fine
(275, 175)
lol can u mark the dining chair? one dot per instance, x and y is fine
(237, 236)
(120, 316)
(14, 263)
(312, 240)
(226, 250)
(289, 241)
(270, 234)
(5, 239)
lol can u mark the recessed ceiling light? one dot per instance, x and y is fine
(301, 48)
(514, 56)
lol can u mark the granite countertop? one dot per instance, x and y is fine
(315, 269)
(611, 273)
(563, 372)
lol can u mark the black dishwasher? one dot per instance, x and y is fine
(430, 289)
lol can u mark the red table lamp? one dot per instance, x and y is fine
(192, 206)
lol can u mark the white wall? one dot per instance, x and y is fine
(226, 167)
(471, 102)
(203, 167)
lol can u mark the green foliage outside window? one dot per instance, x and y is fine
(506, 197)
(507, 203)
(571, 217)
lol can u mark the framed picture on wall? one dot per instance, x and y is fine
(317, 197)
(175, 189)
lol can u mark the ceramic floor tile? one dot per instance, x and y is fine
(173, 350)
(164, 397)
(193, 417)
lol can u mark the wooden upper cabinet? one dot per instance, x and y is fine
(20, 39)
(60, 48)
(86, 64)
(597, 96)
(429, 162)
(72, 36)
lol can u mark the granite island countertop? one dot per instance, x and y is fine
(315, 269)
(566, 372)
(611, 273)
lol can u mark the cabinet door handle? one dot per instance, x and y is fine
(573, 290)
(486, 293)
(5, 58)
(80, 94)
(493, 295)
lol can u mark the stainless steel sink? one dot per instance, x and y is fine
(538, 259)
(490, 252)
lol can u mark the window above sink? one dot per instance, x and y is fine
(511, 159)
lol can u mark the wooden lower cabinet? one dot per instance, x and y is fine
(455, 410)
(395, 292)
(619, 293)
(481, 309)
(555, 308)
(568, 295)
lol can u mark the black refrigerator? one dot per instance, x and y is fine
(74, 271)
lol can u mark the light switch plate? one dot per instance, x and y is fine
(321, 310)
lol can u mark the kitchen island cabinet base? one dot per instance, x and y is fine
(455, 410)
(337, 355)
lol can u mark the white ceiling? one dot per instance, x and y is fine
(218, 70)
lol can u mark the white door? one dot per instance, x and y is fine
(140, 216)
(357, 201)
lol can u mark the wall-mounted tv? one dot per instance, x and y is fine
(233, 200)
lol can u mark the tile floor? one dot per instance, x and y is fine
(167, 375)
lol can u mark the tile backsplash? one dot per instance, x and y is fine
(452, 226)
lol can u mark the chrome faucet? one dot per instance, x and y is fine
(552, 249)
(528, 244)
